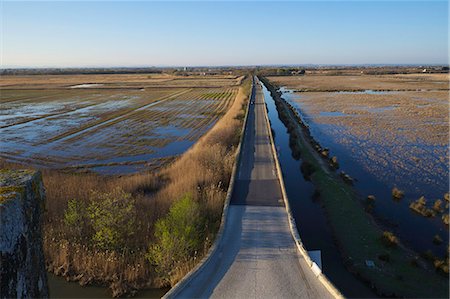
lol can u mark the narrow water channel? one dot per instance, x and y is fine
(60, 288)
(308, 213)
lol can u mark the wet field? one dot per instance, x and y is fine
(107, 124)
(386, 132)
(117, 126)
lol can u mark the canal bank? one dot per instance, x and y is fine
(361, 248)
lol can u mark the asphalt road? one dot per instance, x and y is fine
(257, 257)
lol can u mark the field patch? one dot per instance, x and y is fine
(395, 137)
(109, 130)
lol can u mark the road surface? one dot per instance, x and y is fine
(257, 256)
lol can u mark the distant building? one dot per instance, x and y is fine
(299, 72)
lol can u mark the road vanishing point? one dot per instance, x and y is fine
(257, 256)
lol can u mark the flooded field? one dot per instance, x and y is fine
(361, 82)
(386, 131)
(107, 123)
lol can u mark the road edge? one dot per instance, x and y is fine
(178, 287)
(293, 227)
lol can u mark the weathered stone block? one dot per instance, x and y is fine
(22, 273)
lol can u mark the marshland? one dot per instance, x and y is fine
(114, 151)
(117, 127)
(381, 142)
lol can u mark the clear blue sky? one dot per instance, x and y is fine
(71, 34)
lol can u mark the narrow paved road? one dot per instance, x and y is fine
(257, 257)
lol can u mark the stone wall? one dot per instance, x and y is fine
(23, 273)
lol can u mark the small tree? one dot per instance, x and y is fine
(179, 236)
(112, 216)
(75, 216)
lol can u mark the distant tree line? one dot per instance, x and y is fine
(349, 70)
(128, 70)
(237, 71)
(74, 71)
(281, 71)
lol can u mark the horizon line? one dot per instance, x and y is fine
(223, 66)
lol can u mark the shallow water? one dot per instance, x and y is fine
(120, 140)
(309, 215)
(86, 85)
(60, 288)
(333, 113)
(378, 179)
(367, 91)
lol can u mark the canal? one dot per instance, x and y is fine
(60, 288)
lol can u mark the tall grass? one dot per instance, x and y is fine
(203, 172)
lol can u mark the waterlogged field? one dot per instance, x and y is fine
(402, 82)
(108, 123)
(386, 131)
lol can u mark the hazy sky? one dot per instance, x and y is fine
(68, 34)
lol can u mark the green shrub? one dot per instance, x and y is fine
(112, 216)
(179, 236)
(75, 216)
(445, 219)
(437, 206)
(334, 162)
(419, 206)
(389, 239)
(397, 194)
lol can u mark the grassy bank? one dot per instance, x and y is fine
(100, 229)
(396, 271)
